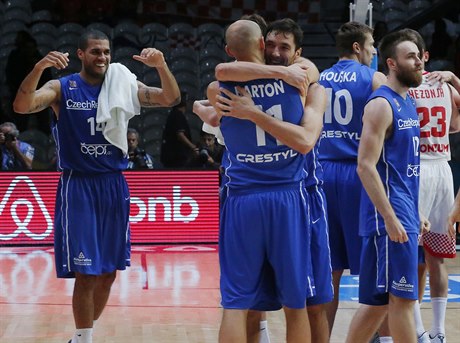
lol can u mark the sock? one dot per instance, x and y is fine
(386, 339)
(419, 328)
(439, 315)
(264, 337)
(83, 336)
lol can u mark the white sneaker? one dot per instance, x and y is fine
(439, 338)
(424, 338)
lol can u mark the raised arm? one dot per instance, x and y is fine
(377, 120)
(28, 98)
(166, 96)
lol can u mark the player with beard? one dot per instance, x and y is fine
(388, 166)
(91, 242)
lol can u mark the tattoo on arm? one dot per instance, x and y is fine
(39, 107)
(148, 101)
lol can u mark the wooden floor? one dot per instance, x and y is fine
(170, 294)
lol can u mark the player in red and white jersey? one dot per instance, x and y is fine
(437, 106)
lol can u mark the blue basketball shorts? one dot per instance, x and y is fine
(388, 267)
(320, 252)
(342, 187)
(91, 224)
(264, 248)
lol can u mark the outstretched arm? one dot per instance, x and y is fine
(445, 76)
(206, 112)
(166, 96)
(300, 74)
(301, 138)
(28, 98)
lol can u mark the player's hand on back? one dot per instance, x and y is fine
(297, 76)
(439, 76)
(236, 105)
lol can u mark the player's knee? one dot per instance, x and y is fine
(106, 280)
(316, 311)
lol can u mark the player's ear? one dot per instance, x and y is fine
(356, 48)
(80, 53)
(262, 43)
(391, 63)
(228, 51)
(298, 53)
(426, 56)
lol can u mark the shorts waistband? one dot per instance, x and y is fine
(267, 189)
(68, 172)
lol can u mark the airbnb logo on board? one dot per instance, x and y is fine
(173, 210)
(23, 210)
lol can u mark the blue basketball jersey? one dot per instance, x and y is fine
(80, 144)
(398, 167)
(348, 86)
(313, 167)
(255, 158)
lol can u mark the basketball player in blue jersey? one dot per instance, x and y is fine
(388, 166)
(92, 202)
(264, 228)
(283, 48)
(348, 85)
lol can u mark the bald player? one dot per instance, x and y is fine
(265, 227)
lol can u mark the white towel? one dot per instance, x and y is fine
(118, 102)
(214, 131)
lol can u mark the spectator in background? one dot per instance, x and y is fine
(177, 149)
(210, 152)
(442, 45)
(16, 155)
(20, 62)
(138, 158)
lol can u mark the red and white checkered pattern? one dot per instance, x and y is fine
(439, 245)
(233, 9)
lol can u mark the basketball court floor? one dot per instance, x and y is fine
(169, 294)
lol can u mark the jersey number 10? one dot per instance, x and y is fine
(335, 108)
